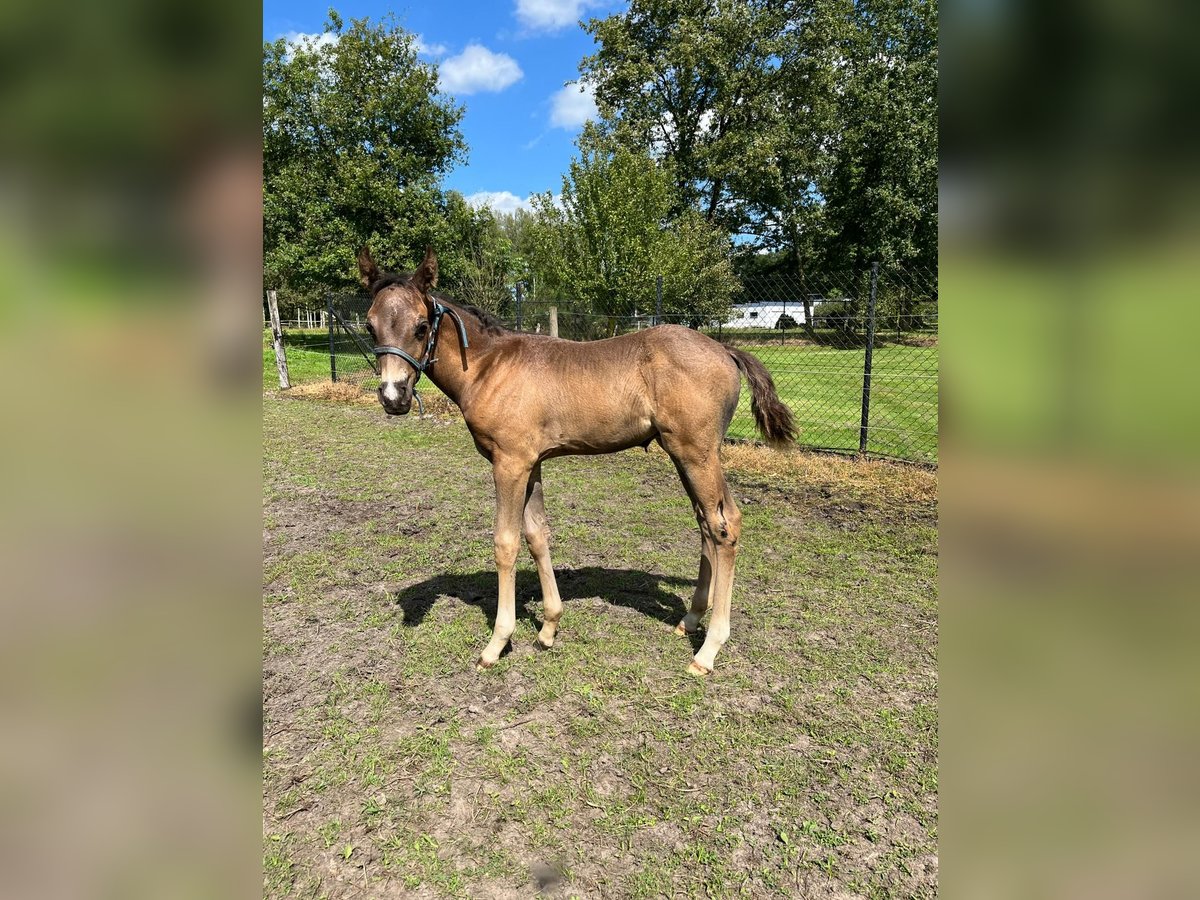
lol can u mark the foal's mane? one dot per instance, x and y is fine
(490, 323)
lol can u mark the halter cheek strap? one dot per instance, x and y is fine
(427, 359)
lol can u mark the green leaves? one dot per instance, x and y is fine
(683, 79)
(881, 191)
(355, 141)
(614, 232)
(806, 127)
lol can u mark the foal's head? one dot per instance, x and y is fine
(399, 317)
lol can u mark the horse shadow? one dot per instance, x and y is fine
(648, 593)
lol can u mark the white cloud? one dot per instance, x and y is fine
(551, 15)
(299, 40)
(498, 201)
(434, 50)
(478, 69)
(573, 105)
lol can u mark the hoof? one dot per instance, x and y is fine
(482, 665)
(683, 632)
(544, 641)
(541, 647)
(694, 668)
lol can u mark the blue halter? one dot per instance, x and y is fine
(427, 358)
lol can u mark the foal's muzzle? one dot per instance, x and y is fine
(396, 397)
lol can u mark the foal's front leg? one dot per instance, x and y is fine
(511, 480)
(537, 535)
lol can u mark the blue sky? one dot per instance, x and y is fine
(506, 62)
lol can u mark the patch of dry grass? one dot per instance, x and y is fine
(338, 392)
(437, 404)
(868, 479)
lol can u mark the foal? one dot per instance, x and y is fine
(527, 398)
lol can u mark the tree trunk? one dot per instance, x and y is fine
(798, 271)
(713, 201)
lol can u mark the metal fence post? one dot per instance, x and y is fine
(658, 301)
(520, 297)
(332, 355)
(866, 395)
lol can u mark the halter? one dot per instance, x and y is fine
(427, 359)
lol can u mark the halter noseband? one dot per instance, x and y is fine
(427, 358)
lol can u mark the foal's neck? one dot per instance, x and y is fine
(456, 366)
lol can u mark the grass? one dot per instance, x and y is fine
(306, 360)
(823, 387)
(821, 384)
(806, 765)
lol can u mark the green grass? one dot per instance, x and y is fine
(307, 360)
(822, 385)
(806, 765)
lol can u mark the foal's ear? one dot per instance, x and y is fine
(368, 272)
(426, 275)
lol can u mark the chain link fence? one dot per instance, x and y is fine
(854, 355)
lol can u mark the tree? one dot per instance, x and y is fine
(782, 181)
(487, 265)
(686, 79)
(517, 229)
(808, 127)
(737, 95)
(881, 192)
(611, 234)
(356, 140)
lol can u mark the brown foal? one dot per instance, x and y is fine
(527, 398)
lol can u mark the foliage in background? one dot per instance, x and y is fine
(808, 128)
(684, 79)
(613, 231)
(881, 191)
(488, 262)
(356, 140)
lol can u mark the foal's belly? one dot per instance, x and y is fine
(603, 434)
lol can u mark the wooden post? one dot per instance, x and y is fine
(277, 334)
(554, 321)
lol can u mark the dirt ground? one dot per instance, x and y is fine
(806, 765)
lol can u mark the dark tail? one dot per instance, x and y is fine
(773, 418)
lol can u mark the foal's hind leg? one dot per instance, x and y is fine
(723, 524)
(720, 527)
(700, 599)
(537, 535)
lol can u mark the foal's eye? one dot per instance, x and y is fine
(422, 330)
(371, 330)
